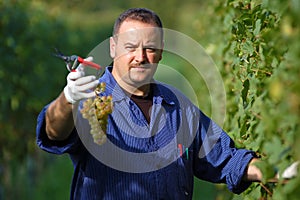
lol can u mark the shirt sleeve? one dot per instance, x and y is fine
(56, 147)
(217, 159)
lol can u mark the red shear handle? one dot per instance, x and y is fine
(88, 63)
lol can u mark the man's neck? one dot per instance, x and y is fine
(142, 91)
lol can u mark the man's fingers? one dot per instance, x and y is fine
(75, 75)
(80, 86)
(85, 80)
(89, 95)
(88, 86)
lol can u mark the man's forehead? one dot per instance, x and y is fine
(137, 27)
(129, 23)
(145, 33)
(138, 36)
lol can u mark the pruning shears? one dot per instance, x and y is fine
(73, 61)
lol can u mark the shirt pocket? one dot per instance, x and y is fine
(185, 174)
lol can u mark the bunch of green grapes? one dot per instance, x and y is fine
(96, 111)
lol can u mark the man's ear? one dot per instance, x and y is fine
(162, 49)
(112, 47)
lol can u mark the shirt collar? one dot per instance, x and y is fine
(161, 93)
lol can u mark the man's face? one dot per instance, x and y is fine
(136, 51)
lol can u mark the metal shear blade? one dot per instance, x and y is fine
(71, 61)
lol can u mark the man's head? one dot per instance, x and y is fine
(138, 14)
(136, 48)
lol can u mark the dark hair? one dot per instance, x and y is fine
(140, 14)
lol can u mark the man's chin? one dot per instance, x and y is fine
(140, 82)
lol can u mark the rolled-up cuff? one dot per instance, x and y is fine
(239, 164)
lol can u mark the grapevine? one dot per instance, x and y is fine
(96, 111)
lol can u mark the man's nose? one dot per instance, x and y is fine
(140, 55)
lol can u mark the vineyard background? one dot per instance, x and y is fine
(254, 43)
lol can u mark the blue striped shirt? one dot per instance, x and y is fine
(156, 160)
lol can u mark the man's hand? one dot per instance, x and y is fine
(253, 173)
(59, 116)
(80, 86)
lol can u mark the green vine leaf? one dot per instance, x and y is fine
(257, 27)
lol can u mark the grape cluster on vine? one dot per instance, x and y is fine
(96, 111)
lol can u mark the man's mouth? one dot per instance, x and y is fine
(143, 66)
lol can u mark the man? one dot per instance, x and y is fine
(158, 132)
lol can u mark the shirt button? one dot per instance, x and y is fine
(186, 193)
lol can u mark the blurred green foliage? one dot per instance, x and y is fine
(254, 43)
(261, 71)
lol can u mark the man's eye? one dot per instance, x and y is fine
(130, 48)
(150, 50)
